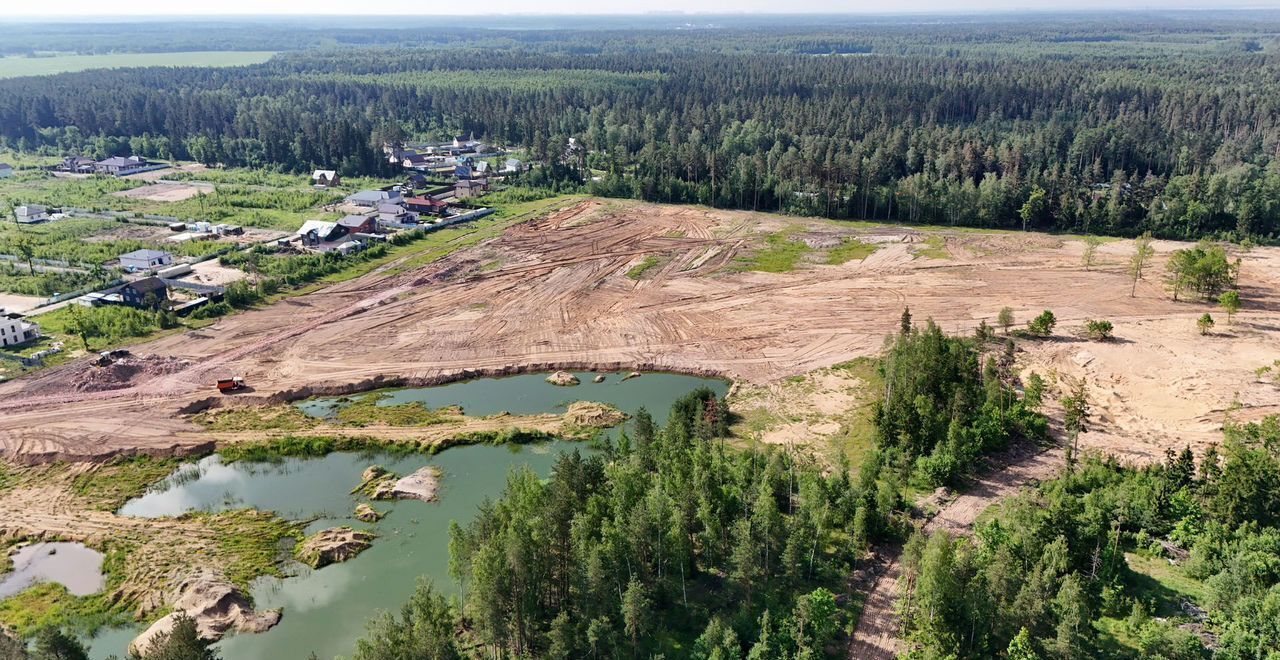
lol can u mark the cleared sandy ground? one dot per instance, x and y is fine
(555, 292)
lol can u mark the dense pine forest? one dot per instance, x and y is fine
(1142, 122)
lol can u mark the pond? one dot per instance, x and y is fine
(531, 394)
(325, 611)
(72, 565)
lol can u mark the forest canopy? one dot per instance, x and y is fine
(1131, 124)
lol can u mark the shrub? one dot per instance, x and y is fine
(1042, 325)
(1098, 329)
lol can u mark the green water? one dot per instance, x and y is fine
(531, 394)
(325, 611)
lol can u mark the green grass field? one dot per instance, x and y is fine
(12, 67)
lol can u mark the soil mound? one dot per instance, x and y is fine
(589, 414)
(422, 484)
(216, 605)
(332, 546)
(126, 371)
(366, 513)
(563, 379)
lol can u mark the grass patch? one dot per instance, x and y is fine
(637, 271)
(264, 418)
(252, 540)
(935, 247)
(14, 66)
(303, 446)
(1155, 580)
(365, 411)
(849, 250)
(50, 604)
(109, 486)
(857, 430)
(781, 254)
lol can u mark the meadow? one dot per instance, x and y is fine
(13, 67)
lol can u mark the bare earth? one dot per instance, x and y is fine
(560, 297)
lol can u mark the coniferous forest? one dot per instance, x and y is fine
(1168, 123)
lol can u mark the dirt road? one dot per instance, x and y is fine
(876, 637)
(556, 292)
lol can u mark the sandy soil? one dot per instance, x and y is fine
(12, 302)
(211, 272)
(167, 191)
(559, 297)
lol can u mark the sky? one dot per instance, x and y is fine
(122, 8)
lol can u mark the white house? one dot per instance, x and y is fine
(372, 198)
(31, 214)
(6, 170)
(15, 330)
(145, 260)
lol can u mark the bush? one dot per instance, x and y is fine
(1098, 329)
(1042, 326)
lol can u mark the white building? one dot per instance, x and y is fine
(16, 330)
(31, 214)
(145, 260)
(6, 170)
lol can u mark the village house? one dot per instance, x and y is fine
(359, 224)
(30, 214)
(512, 166)
(470, 188)
(15, 330)
(120, 166)
(144, 259)
(148, 292)
(325, 178)
(6, 170)
(372, 198)
(426, 205)
(315, 232)
(395, 216)
(76, 165)
(412, 161)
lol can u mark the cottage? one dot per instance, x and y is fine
(6, 170)
(314, 232)
(148, 292)
(394, 215)
(372, 198)
(145, 259)
(15, 330)
(470, 188)
(425, 205)
(120, 166)
(76, 165)
(325, 178)
(412, 161)
(359, 224)
(31, 214)
(512, 166)
(416, 181)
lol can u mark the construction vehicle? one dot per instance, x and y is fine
(229, 385)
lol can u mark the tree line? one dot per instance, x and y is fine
(1108, 139)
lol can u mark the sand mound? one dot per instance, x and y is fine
(423, 485)
(588, 414)
(332, 546)
(563, 379)
(215, 605)
(125, 371)
(366, 513)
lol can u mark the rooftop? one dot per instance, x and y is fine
(145, 254)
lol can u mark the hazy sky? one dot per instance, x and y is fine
(84, 8)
